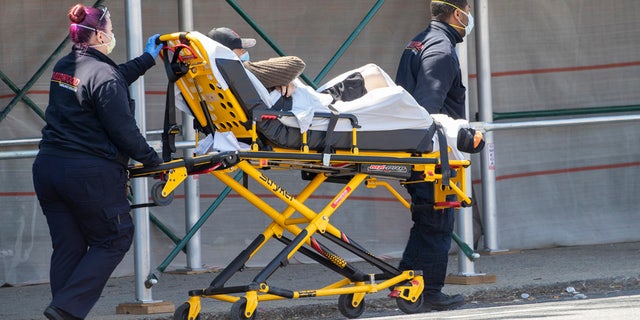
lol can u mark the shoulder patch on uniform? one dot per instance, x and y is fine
(66, 81)
(415, 46)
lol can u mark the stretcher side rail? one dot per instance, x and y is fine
(263, 115)
(268, 114)
(318, 157)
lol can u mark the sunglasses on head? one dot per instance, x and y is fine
(105, 12)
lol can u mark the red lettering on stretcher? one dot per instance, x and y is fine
(341, 197)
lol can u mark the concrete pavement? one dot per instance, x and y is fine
(530, 272)
(618, 307)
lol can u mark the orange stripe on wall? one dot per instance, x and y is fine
(558, 70)
(11, 95)
(472, 76)
(561, 171)
(568, 69)
(17, 194)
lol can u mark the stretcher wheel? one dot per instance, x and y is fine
(346, 307)
(238, 308)
(182, 312)
(464, 204)
(156, 195)
(409, 307)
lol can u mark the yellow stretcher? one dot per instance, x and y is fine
(217, 108)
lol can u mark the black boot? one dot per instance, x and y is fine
(440, 301)
(53, 313)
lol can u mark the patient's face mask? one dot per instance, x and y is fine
(245, 56)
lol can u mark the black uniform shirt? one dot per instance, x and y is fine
(90, 112)
(429, 69)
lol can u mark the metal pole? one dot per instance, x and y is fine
(191, 185)
(142, 260)
(464, 221)
(485, 109)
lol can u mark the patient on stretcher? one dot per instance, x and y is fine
(388, 117)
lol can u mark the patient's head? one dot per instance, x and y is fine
(233, 41)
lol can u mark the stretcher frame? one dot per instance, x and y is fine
(191, 71)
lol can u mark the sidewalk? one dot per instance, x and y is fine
(516, 273)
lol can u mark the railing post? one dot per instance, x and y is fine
(485, 108)
(464, 219)
(191, 185)
(142, 259)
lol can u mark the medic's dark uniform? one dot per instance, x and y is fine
(430, 70)
(80, 172)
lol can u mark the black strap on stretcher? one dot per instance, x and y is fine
(170, 128)
(174, 69)
(333, 121)
(444, 154)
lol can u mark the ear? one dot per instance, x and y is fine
(104, 36)
(454, 18)
(458, 15)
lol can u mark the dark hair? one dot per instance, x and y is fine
(443, 9)
(85, 21)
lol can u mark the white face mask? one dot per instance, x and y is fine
(110, 45)
(244, 56)
(469, 26)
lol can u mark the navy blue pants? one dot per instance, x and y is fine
(85, 204)
(430, 237)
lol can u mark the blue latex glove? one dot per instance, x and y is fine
(152, 48)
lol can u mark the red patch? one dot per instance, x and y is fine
(415, 46)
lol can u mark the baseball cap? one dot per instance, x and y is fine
(230, 38)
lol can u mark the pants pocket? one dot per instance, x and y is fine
(118, 219)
